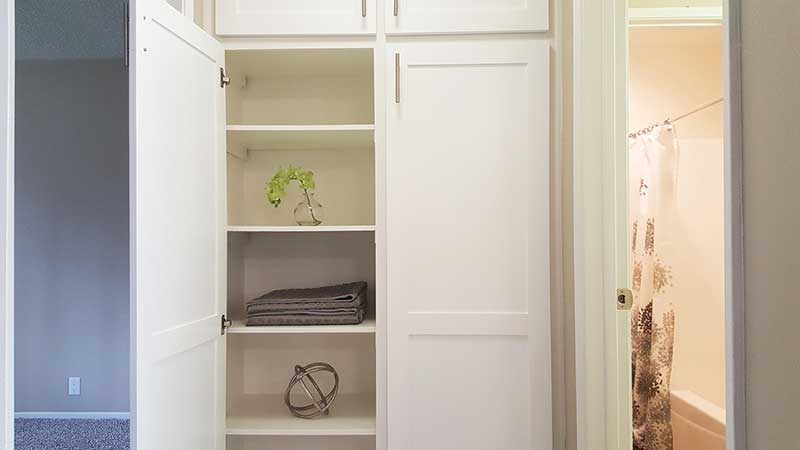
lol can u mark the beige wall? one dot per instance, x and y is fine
(673, 70)
(771, 98)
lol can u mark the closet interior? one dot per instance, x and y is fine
(312, 108)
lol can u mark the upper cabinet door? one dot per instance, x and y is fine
(295, 17)
(466, 16)
(468, 246)
(177, 233)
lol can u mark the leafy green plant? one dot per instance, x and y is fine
(276, 187)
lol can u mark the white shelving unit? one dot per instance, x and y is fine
(243, 139)
(300, 128)
(366, 327)
(266, 415)
(300, 229)
(311, 108)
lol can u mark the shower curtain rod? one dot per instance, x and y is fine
(680, 117)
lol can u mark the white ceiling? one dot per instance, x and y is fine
(69, 29)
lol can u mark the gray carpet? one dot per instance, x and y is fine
(71, 434)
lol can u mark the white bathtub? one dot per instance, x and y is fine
(697, 424)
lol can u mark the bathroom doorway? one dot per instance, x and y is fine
(657, 114)
(676, 219)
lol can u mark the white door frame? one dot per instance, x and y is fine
(7, 224)
(600, 226)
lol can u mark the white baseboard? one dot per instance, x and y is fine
(72, 415)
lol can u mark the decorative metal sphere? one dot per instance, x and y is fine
(320, 402)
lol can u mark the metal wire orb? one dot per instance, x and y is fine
(320, 403)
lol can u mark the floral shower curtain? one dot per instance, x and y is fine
(653, 166)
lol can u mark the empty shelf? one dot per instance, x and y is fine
(299, 229)
(246, 138)
(266, 415)
(368, 326)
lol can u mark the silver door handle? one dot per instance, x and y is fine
(397, 77)
(396, 7)
(364, 8)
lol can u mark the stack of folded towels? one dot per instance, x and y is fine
(343, 304)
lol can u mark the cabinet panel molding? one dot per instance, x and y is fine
(295, 17)
(466, 16)
(467, 207)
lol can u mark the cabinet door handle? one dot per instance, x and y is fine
(396, 7)
(397, 77)
(364, 8)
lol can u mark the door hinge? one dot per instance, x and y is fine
(226, 323)
(126, 34)
(624, 299)
(224, 80)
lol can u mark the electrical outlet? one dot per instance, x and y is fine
(74, 385)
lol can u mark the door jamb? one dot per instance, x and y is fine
(603, 419)
(600, 65)
(7, 63)
(735, 344)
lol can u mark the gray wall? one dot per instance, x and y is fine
(72, 304)
(771, 83)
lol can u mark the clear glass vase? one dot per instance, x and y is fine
(309, 211)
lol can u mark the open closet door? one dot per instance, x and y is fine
(177, 233)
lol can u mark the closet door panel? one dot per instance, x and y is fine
(468, 246)
(296, 17)
(481, 392)
(466, 16)
(177, 232)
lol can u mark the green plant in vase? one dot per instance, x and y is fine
(308, 212)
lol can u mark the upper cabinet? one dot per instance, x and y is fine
(466, 16)
(296, 17)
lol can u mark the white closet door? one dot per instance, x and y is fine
(465, 16)
(178, 241)
(468, 246)
(296, 17)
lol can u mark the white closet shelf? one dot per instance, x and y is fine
(368, 326)
(300, 128)
(247, 138)
(299, 229)
(266, 415)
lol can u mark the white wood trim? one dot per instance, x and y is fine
(299, 128)
(302, 229)
(187, 8)
(672, 17)
(735, 344)
(381, 336)
(265, 415)
(133, 370)
(601, 333)
(73, 415)
(7, 30)
(297, 42)
(558, 326)
(366, 327)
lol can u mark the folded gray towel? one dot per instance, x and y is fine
(343, 304)
(340, 293)
(304, 320)
(359, 301)
(310, 312)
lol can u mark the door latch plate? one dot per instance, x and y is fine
(624, 299)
